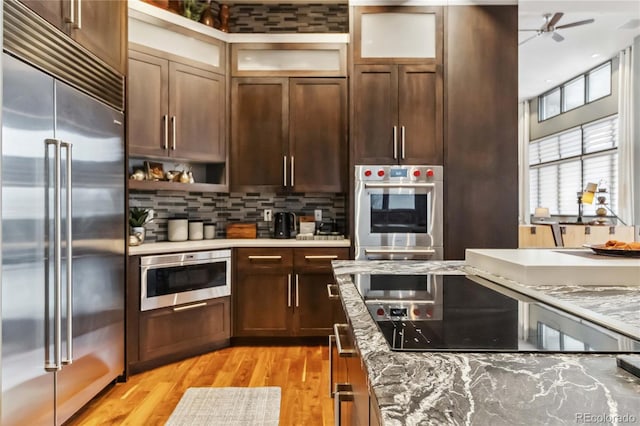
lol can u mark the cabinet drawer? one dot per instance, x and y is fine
(318, 258)
(182, 328)
(252, 258)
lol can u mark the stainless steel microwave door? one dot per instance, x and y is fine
(27, 115)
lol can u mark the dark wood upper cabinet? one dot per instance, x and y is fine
(420, 107)
(318, 130)
(53, 11)
(148, 104)
(281, 127)
(196, 100)
(397, 114)
(102, 29)
(98, 25)
(259, 133)
(175, 110)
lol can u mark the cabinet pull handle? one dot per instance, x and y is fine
(78, 23)
(289, 290)
(322, 257)
(297, 291)
(344, 393)
(333, 295)
(165, 120)
(284, 171)
(395, 142)
(264, 257)
(72, 13)
(186, 308)
(402, 135)
(342, 351)
(293, 169)
(173, 131)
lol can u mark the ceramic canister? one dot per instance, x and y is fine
(209, 231)
(195, 230)
(178, 229)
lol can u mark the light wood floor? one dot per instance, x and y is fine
(149, 398)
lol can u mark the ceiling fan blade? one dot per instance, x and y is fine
(528, 29)
(557, 37)
(527, 39)
(575, 24)
(554, 19)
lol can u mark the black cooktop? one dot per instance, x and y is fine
(471, 314)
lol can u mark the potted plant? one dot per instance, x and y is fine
(138, 217)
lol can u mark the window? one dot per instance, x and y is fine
(550, 104)
(561, 165)
(573, 94)
(599, 84)
(587, 87)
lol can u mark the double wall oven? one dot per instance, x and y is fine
(398, 212)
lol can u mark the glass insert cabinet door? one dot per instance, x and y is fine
(398, 34)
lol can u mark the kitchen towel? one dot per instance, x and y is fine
(229, 406)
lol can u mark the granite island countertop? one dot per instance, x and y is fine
(437, 388)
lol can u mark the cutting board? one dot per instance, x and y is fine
(241, 230)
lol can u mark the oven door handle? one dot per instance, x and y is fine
(183, 263)
(399, 185)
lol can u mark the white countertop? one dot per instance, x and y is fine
(171, 247)
(556, 266)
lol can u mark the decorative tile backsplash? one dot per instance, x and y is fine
(222, 208)
(289, 18)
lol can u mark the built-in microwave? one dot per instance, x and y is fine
(176, 279)
(398, 212)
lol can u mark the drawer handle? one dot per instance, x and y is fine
(342, 351)
(332, 340)
(344, 393)
(186, 308)
(322, 257)
(264, 257)
(333, 295)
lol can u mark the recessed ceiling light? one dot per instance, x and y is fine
(548, 81)
(595, 55)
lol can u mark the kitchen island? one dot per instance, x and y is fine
(424, 388)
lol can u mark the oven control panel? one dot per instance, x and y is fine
(404, 311)
(398, 173)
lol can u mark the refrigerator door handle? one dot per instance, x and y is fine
(57, 263)
(69, 237)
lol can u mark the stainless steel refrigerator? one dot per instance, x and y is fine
(63, 246)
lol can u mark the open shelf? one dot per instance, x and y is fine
(151, 185)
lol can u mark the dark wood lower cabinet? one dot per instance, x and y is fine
(283, 292)
(164, 335)
(178, 329)
(262, 294)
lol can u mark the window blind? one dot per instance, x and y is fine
(561, 165)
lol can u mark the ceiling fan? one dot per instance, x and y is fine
(549, 27)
